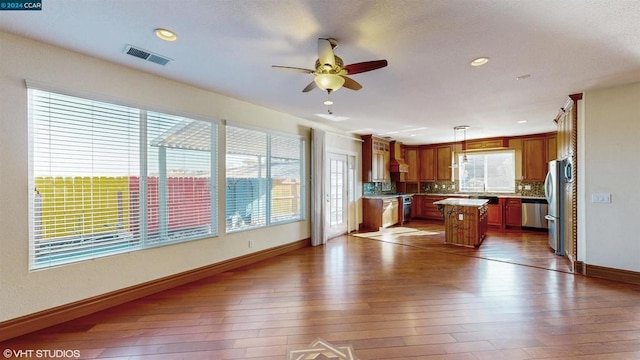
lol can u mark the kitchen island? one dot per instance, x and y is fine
(465, 220)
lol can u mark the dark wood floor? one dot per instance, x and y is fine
(401, 297)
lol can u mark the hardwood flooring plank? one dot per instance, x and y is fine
(396, 297)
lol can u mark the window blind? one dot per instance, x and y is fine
(89, 176)
(286, 160)
(263, 178)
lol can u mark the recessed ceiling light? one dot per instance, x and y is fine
(521, 121)
(166, 35)
(479, 61)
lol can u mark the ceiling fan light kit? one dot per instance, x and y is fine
(330, 73)
(329, 82)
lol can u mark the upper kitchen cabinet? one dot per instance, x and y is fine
(566, 121)
(376, 154)
(487, 144)
(552, 147)
(443, 162)
(411, 158)
(534, 159)
(427, 161)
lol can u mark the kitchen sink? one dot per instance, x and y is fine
(492, 198)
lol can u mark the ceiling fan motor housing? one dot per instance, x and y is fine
(328, 69)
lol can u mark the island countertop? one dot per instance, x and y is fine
(462, 202)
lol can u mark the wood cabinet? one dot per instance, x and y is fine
(375, 159)
(464, 225)
(427, 161)
(513, 212)
(379, 213)
(487, 144)
(416, 206)
(567, 137)
(552, 148)
(443, 163)
(565, 121)
(423, 207)
(411, 157)
(534, 159)
(494, 214)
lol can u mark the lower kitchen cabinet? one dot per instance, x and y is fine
(513, 212)
(424, 207)
(494, 214)
(379, 213)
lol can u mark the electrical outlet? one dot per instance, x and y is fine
(527, 187)
(460, 216)
(453, 187)
(519, 187)
(250, 244)
(435, 186)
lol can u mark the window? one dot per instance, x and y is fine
(109, 179)
(263, 178)
(487, 172)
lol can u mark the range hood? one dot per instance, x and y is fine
(397, 164)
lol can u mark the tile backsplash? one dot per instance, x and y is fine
(377, 188)
(528, 188)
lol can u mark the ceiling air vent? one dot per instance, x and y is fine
(146, 55)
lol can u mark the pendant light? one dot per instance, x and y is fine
(463, 128)
(454, 163)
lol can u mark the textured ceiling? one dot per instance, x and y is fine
(428, 88)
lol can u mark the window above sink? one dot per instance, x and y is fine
(487, 172)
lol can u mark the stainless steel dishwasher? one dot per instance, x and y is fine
(533, 213)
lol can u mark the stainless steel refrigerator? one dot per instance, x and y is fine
(553, 188)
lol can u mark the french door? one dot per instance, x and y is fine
(339, 196)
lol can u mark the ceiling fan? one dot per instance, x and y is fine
(330, 71)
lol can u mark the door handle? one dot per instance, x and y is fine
(550, 218)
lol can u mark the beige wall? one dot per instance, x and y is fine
(23, 292)
(609, 162)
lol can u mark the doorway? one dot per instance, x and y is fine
(340, 193)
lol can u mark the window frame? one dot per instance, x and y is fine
(268, 183)
(485, 154)
(141, 242)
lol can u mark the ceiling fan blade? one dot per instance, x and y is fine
(364, 66)
(349, 83)
(306, 71)
(312, 85)
(325, 53)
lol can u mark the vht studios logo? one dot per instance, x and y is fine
(21, 5)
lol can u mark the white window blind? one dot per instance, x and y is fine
(263, 178)
(89, 176)
(286, 166)
(488, 172)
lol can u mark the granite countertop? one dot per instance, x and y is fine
(462, 202)
(385, 196)
(511, 196)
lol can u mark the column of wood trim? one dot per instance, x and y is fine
(57, 315)
(576, 182)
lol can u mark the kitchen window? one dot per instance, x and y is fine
(264, 172)
(491, 172)
(109, 179)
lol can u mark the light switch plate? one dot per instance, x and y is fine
(527, 187)
(460, 216)
(604, 198)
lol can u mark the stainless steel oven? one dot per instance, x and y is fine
(406, 207)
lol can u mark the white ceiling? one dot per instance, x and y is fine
(566, 46)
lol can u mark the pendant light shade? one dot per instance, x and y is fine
(329, 82)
